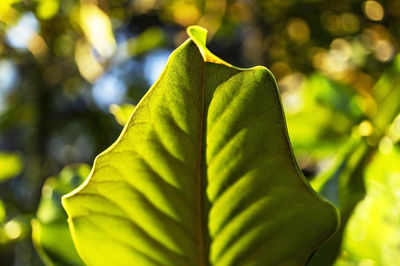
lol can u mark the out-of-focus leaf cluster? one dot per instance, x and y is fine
(67, 67)
(50, 231)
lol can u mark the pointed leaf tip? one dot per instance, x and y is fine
(199, 36)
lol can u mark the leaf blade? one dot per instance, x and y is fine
(168, 168)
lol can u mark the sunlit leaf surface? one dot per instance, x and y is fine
(202, 174)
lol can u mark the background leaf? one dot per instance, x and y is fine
(10, 165)
(343, 184)
(372, 232)
(50, 232)
(121, 112)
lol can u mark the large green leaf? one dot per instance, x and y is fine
(202, 174)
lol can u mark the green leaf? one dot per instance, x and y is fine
(343, 184)
(2, 212)
(152, 38)
(386, 92)
(371, 234)
(310, 110)
(10, 165)
(202, 174)
(50, 232)
(122, 112)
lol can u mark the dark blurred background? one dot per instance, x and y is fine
(71, 70)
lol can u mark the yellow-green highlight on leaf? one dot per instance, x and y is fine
(121, 112)
(199, 36)
(50, 233)
(202, 174)
(10, 165)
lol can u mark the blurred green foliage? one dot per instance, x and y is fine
(372, 232)
(121, 112)
(50, 231)
(11, 165)
(64, 63)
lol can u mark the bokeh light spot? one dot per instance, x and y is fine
(109, 89)
(97, 28)
(365, 128)
(384, 50)
(8, 76)
(144, 6)
(349, 23)
(47, 9)
(280, 69)
(385, 145)
(342, 48)
(373, 10)
(87, 64)
(7, 12)
(11, 165)
(13, 229)
(186, 14)
(298, 30)
(154, 64)
(21, 34)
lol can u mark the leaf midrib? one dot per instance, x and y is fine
(202, 252)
